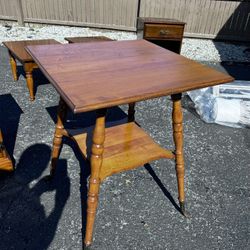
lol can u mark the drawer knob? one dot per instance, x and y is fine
(164, 32)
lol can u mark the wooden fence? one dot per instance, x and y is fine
(114, 14)
(205, 18)
(226, 19)
(8, 10)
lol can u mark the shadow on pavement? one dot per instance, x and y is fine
(38, 77)
(24, 222)
(77, 123)
(237, 27)
(10, 113)
(161, 186)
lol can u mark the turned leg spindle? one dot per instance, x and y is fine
(30, 84)
(57, 141)
(28, 68)
(94, 182)
(13, 66)
(177, 118)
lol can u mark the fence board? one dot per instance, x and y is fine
(228, 19)
(119, 14)
(8, 10)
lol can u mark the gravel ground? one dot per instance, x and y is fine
(197, 49)
(137, 209)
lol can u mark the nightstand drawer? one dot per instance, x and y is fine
(163, 31)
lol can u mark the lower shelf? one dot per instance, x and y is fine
(126, 146)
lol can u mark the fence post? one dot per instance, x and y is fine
(19, 11)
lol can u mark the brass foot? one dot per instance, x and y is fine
(183, 209)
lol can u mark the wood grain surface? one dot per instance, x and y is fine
(91, 76)
(126, 147)
(17, 50)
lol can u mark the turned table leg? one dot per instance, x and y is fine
(13, 66)
(131, 112)
(94, 181)
(58, 135)
(177, 118)
(28, 68)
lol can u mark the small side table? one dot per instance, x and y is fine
(5, 161)
(17, 51)
(167, 33)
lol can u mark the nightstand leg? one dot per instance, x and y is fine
(13, 67)
(177, 118)
(57, 141)
(94, 181)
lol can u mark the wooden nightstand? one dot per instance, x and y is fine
(167, 33)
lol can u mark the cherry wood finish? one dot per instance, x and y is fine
(163, 31)
(96, 165)
(127, 146)
(96, 76)
(13, 66)
(167, 33)
(177, 118)
(85, 74)
(58, 135)
(17, 51)
(5, 161)
(87, 39)
(113, 150)
(131, 111)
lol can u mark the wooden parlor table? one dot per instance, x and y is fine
(96, 76)
(17, 51)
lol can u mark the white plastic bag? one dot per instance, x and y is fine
(222, 108)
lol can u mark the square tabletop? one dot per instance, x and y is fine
(17, 48)
(90, 76)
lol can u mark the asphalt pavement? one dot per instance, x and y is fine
(137, 209)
